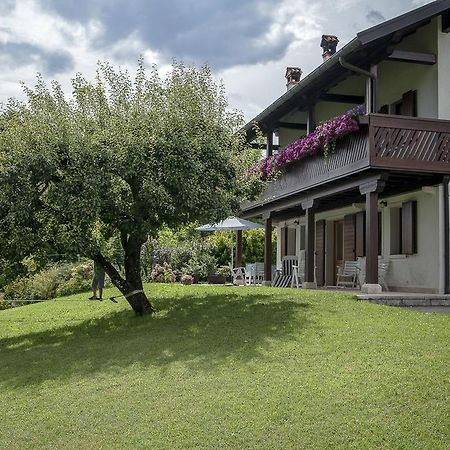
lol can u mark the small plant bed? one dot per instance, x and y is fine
(220, 367)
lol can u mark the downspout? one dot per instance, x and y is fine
(371, 90)
(446, 237)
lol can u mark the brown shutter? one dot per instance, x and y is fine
(360, 232)
(384, 109)
(291, 242)
(409, 234)
(320, 252)
(283, 241)
(409, 102)
(349, 238)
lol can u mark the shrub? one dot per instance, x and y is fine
(59, 279)
(187, 279)
(162, 274)
(201, 265)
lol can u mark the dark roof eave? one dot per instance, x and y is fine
(406, 20)
(303, 84)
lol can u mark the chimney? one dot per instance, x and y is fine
(328, 44)
(293, 75)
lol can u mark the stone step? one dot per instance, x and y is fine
(407, 300)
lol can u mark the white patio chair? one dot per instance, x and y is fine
(249, 273)
(348, 275)
(238, 275)
(258, 273)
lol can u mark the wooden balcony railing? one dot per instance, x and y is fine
(383, 142)
(408, 143)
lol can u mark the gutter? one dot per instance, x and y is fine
(356, 69)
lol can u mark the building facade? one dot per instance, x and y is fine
(382, 193)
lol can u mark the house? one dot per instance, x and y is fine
(383, 190)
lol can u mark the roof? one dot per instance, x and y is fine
(368, 47)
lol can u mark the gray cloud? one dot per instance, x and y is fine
(374, 16)
(6, 6)
(221, 33)
(48, 62)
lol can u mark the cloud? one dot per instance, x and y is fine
(375, 17)
(14, 54)
(220, 33)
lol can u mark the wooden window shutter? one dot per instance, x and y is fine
(409, 228)
(320, 252)
(283, 242)
(349, 238)
(360, 234)
(291, 244)
(409, 104)
(384, 109)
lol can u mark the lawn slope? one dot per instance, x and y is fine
(224, 367)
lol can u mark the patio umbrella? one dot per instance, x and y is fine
(231, 224)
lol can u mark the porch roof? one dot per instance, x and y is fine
(368, 47)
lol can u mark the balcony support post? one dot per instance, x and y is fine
(309, 207)
(269, 144)
(268, 251)
(371, 90)
(311, 121)
(371, 190)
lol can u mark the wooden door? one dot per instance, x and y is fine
(320, 252)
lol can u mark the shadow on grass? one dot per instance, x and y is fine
(201, 331)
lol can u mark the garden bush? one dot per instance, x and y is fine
(54, 281)
(162, 273)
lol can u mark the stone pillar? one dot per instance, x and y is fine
(310, 229)
(371, 190)
(268, 252)
(238, 260)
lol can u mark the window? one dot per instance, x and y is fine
(403, 229)
(406, 106)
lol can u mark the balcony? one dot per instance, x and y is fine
(383, 143)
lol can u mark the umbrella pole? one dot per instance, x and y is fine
(239, 248)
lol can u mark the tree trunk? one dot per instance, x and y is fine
(133, 280)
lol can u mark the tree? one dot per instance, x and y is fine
(122, 157)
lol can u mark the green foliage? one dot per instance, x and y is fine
(60, 279)
(201, 265)
(219, 244)
(120, 160)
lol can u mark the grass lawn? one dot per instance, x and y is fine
(223, 367)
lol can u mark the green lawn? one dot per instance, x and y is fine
(216, 368)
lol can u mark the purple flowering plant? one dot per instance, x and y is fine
(322, 139)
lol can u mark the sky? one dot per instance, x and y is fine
(247, 43)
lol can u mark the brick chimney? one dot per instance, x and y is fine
(293, 75)
(328, 44)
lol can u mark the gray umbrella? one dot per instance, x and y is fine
(231, 224)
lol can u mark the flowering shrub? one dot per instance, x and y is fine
(187, 279)
(323, 138)
(162, 274)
